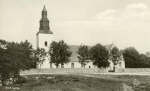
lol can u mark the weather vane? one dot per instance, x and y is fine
(44, 2)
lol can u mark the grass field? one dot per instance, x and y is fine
(82, 83)
(137, 82)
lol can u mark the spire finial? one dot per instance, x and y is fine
(44, 8)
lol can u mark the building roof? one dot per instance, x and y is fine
(74, 49)
(44, 23)
(74, 56)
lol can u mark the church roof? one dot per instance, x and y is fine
(44, 23)
(74, 49)
(74, 56)
(45, 32)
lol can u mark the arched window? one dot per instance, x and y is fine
(45, 43)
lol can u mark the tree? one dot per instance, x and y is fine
(39, 55)
(132, 57)
(147, 54)
(144, 61)
(99, 54)
(21, 53)
(4, 61)
(83, 55)
(14, 58)
(115, 56)
(59, 53)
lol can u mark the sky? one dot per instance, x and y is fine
(124, 23)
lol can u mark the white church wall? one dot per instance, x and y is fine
(45, 64)
(111, 65)
(72, 65)
(67, 65)
(122, 64)
(43, 38)
(89, 65)
(54, 66)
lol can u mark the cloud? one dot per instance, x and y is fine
(138, 10)
(132, 12)
(137, 6)
(107, 14)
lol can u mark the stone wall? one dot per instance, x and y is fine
(85, 70)
(137, 70)
(64, 71)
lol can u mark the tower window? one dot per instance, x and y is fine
(45, 43)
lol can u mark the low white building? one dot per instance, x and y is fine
(44, 38)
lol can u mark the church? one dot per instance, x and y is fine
(45, 36)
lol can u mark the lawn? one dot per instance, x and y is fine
(81, 83)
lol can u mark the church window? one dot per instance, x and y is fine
(45, 43)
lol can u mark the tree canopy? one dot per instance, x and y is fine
(59, 53)
(115, 54)
(15, 57)
(39, 55)
(83, 54)
(133, 59)
(99, 54)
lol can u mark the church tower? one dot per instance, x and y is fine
(44, 37)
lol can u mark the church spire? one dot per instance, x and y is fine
(44, 23)
(44, 9)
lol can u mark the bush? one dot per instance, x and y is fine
(20, 80)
